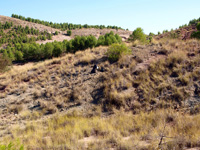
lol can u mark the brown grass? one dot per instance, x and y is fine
(119, 130)
(153, 89)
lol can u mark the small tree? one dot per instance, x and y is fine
(101, 40)
(48, 50)
(18, 55)
(56, 33)
(198, 26)
(57, 51)
(69, 32)
(91, 41)
(138, 34)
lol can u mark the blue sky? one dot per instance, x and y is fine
(151, 15)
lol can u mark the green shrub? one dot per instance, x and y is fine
(91, 41)
(101, 40)
(57, 51)
(196, 34)
(18, 55)
(138, 34)
(115, 51)
(48, 50)
(198, 26)
(56, 33)
(69, 32)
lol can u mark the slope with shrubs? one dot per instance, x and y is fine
(184, 32)
(144, 95)
(34, 52)
(87, 111)
(11, 34)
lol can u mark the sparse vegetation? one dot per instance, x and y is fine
(143, 94)
(116, 131)
(63, 26)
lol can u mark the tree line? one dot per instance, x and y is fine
(63, 26)
(23, 52)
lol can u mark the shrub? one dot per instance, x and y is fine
(57, 51)
(91, 41)
(48, 50)
(69, 32)
(198, 26)
(196, 34)
(150, 39)
(18, 55)
(138, 34)
(101, 40)
(56, 33)
(115, 51)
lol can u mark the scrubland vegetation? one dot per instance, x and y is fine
(121, 130)
(143, 96)
(23, 52)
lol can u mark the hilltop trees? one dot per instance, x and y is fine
(194, 21)
(138, 34)
(63, 26)
(19, 34)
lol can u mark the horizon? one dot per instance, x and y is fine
(151, 16)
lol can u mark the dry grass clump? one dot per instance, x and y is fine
(16, 109)
(120, 130)
(87, 58)
(47, 107)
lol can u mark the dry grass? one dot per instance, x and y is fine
(87, 58)
(142, 82)
(119, 130)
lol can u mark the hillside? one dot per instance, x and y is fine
(95, 91)
(183, 33)
(162, 75)
(63, 34)
(17, 22)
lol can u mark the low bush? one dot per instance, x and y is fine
(115, 51)
(69, 32)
